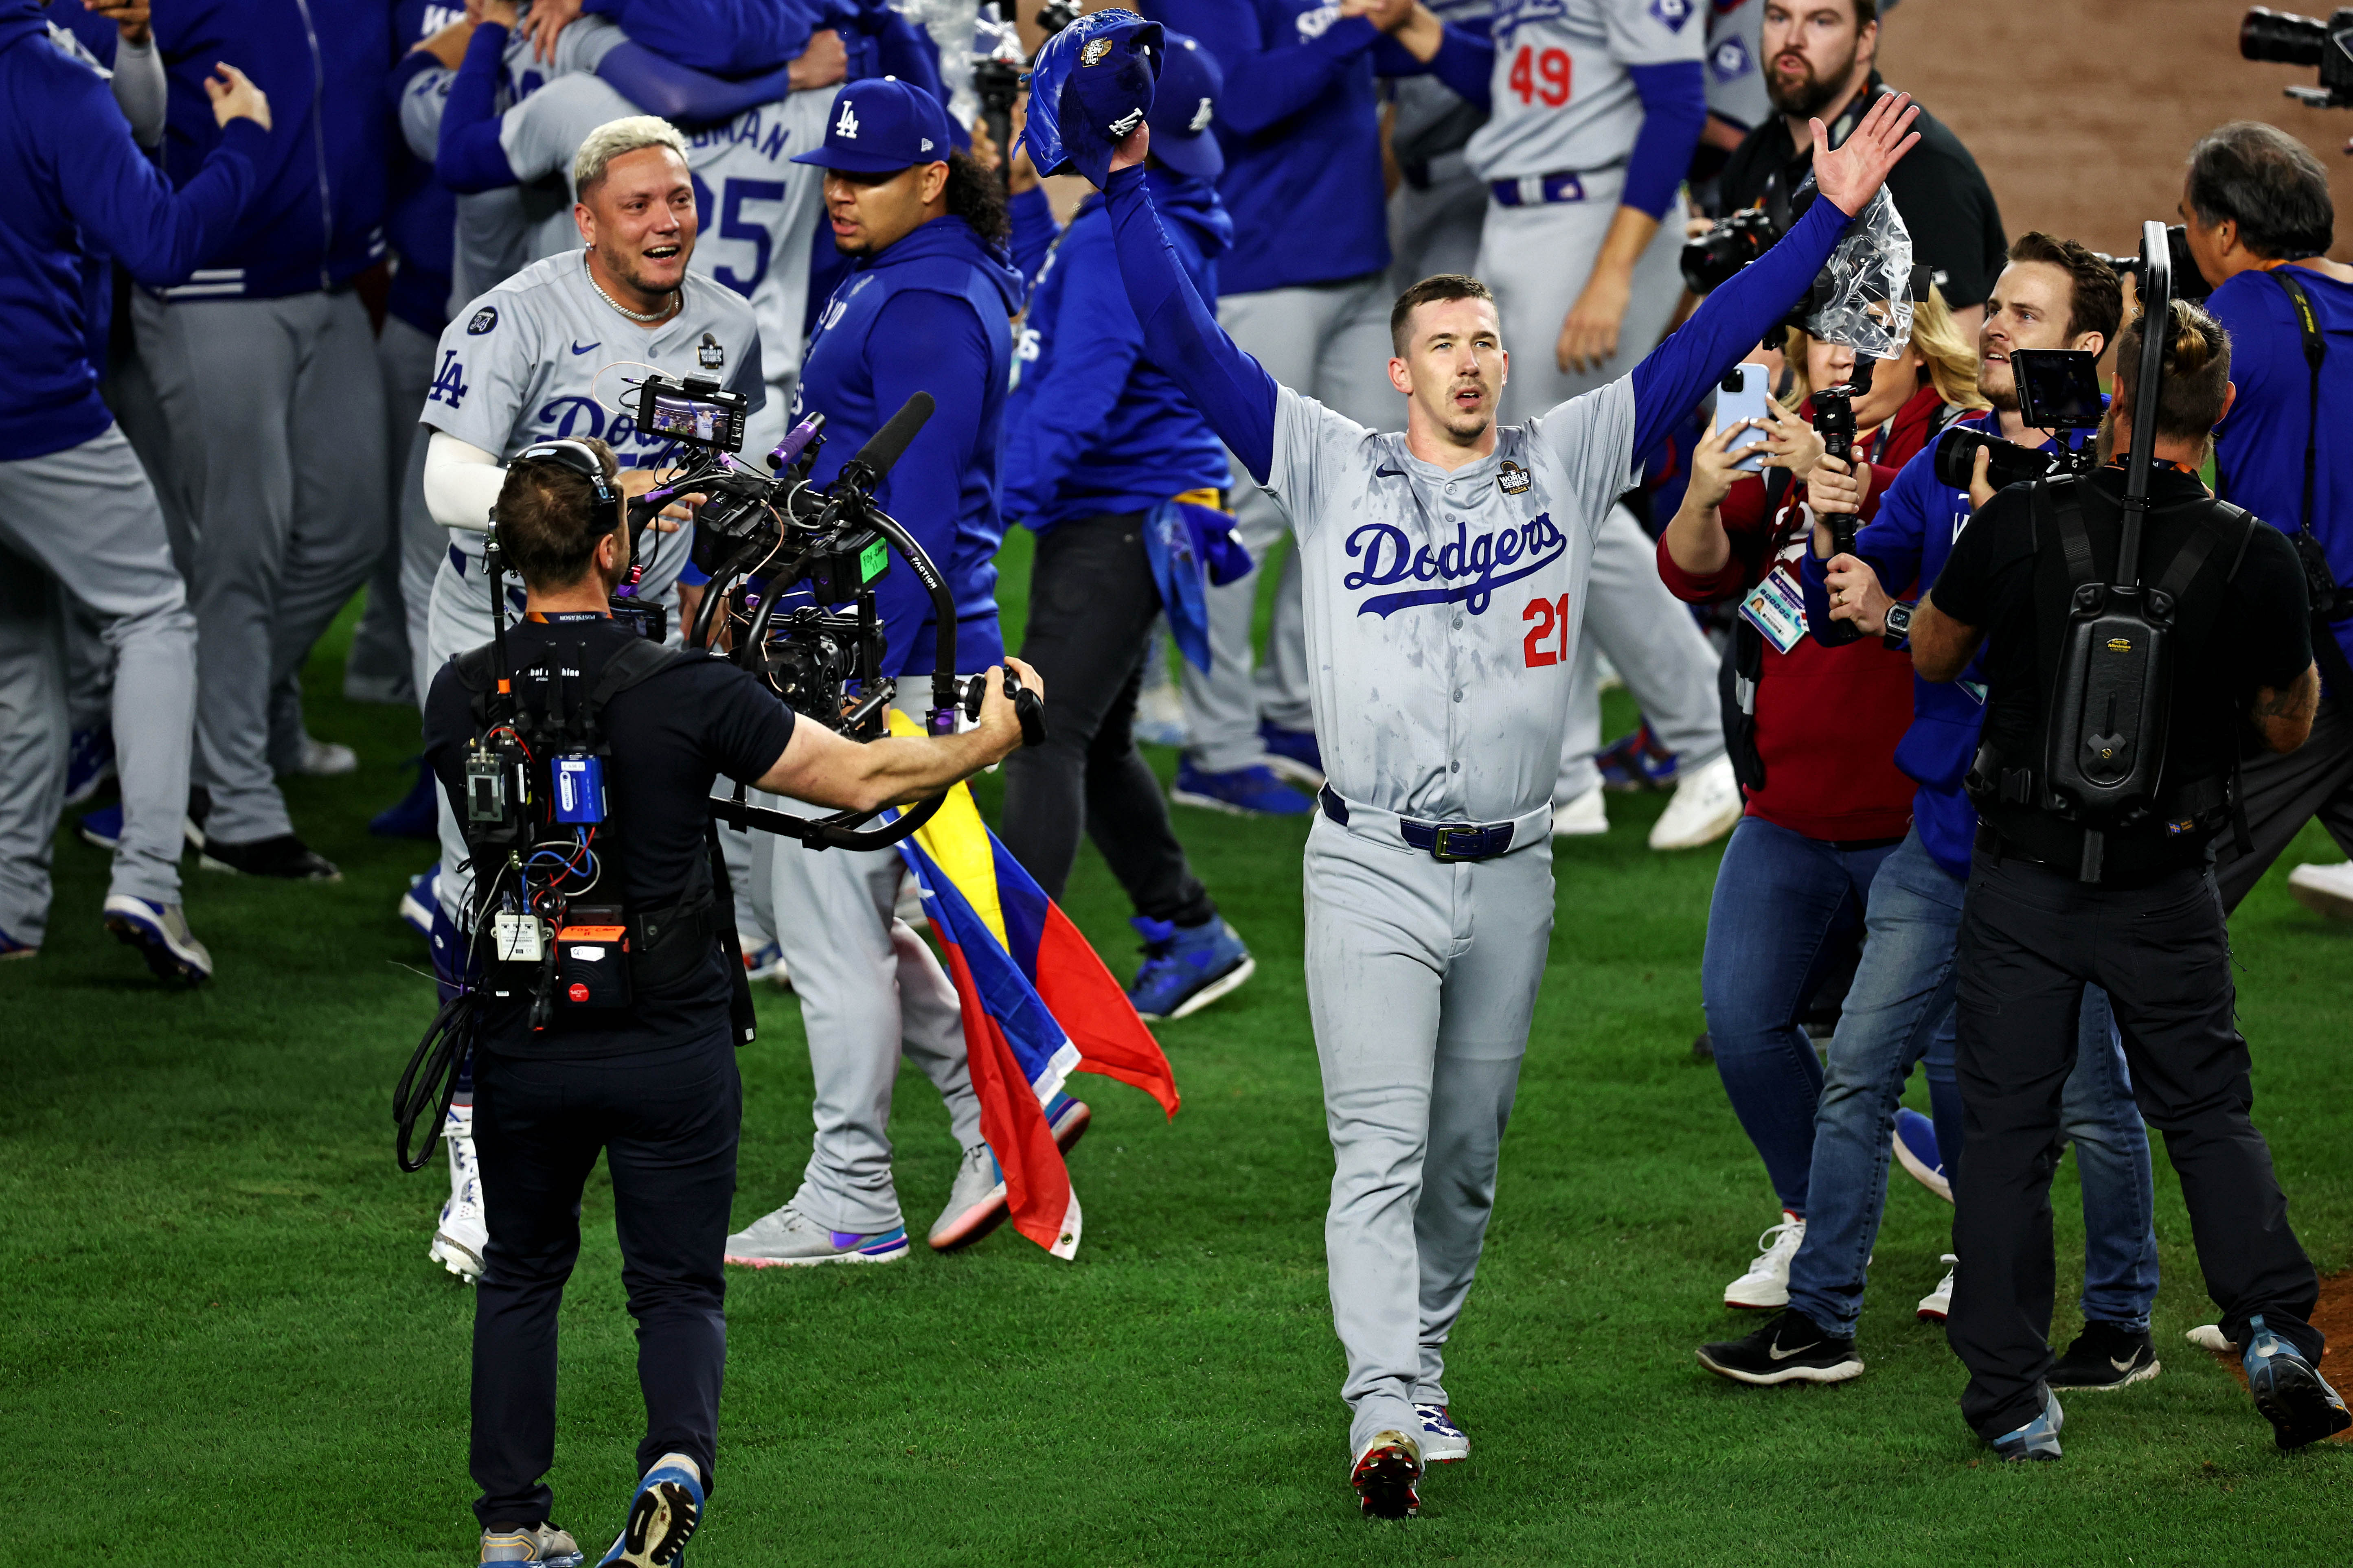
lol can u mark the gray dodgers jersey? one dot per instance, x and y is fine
(1562, 102)
(542, 356)
(1443, 609)
(1736, 76)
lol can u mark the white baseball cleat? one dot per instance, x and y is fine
(1586, 817)
(1938, 1304)
(1706, 804)
(464, 1229)
(2323, 889)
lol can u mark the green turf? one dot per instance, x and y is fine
(223, 1342)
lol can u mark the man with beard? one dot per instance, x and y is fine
(1819, 64)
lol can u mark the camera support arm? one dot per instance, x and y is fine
(2157, 327)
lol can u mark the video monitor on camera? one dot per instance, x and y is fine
(694, 411)
(2058, 389)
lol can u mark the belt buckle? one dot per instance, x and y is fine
(1441, 843)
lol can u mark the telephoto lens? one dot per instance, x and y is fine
(2009, 464)
(2285, 37)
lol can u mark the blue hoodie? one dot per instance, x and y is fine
(1093, 425)
(317, 218)
(421, 213)
(932, 313)
(72, 184)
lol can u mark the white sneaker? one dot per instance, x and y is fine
(2323, 889)
(326, 759)
(2209, 1337)
(1766, 1283)
(1160, 715)
(1586, 817)
(465, 1227)
(1706, 804)
(1938, 1304)
(976, 1202)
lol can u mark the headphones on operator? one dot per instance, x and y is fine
(578, 456)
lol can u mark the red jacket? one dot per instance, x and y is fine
(1827, 719)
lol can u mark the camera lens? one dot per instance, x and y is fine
(2282, 36)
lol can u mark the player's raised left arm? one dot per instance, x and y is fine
(1735, 318)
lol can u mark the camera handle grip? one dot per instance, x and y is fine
(1028, 706)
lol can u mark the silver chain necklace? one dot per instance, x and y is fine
(633, 315)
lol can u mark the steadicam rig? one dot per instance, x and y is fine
(762, 538)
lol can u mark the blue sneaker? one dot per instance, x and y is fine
(1293, 756)
(1636, 761)
(2290, 1390)
(1187, 968)
(417, 816)
(2039, 1438)
(1245, 792)
(1915, 1150)
(90, 762)
(11, 948)
(102, 828)
(664, 1513)
(422, 901)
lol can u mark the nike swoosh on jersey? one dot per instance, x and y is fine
(584, 348)
(1388, 473)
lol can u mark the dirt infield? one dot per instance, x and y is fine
(2082, 111)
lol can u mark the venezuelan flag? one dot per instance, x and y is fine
(1037, 1005)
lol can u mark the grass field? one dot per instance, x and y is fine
(223, 1342)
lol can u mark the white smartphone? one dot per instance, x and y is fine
(1743, 395)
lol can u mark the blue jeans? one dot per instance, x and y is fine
(1900, 1011)
(1785, 906)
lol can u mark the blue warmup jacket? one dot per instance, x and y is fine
(73, 185)
(2258, 449)
(1093, 425)
(1908, 543)
(319, 215)
(420, 214)
(932, 314)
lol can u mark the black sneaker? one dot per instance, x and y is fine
(1789, 1349)
(285, 856)
(2105, 1356)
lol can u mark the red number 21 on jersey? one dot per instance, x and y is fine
(1550, 616)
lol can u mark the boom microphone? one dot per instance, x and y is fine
(876, 459)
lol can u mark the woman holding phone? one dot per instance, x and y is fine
(1813, 731)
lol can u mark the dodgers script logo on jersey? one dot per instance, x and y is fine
(1472, 569)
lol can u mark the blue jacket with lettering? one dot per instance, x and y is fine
(73, 185)
(318, 216)
(932, 314)
(1093, 425)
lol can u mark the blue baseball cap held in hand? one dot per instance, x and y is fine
(1183, 103)
(880, 126)
(1091, 85)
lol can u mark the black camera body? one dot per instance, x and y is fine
(1714, 258)
(2058, 389)
(2189, 283)
(2290, 39)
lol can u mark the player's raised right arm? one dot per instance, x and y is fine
(1232, 390)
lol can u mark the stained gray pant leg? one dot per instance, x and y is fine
(1436, 229)
(424, 547)
(1660, 650)
(32, 743)
(90, 519)
(380, 646)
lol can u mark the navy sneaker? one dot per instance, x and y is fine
(1636, 761)
(1245, 792)
(415, 816)
(1293, 756)
(1915, 1150)
(2290, 1390)
(11, 948)
(1186, 968)
(662, 1516)
(102, 828)
(2039, 1438)
(90, 762)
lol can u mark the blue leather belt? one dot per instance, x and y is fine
(1444, 841)
(1538, 190)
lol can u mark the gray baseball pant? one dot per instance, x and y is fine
(869, 988)
(87, 519)
(1330, 341)
(276, 409)
(380, 662)
(1421, 980)
(1650, 636)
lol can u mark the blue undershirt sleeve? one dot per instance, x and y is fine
(469, 158)
(1466, 62)
(1232, 390)
(1674, 112)
(663, 86)
(1266, 86)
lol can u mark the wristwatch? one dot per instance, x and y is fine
(1899, 624)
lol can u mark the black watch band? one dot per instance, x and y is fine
(1899, 624)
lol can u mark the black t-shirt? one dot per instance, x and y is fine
(1947, 206)
(670, 736)
(2260, 634)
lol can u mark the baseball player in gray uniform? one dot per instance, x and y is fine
(1597, 105)
(1445, 572)
(1436, 211)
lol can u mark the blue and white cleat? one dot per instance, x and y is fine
(1186, 968)
(11, 948)
(790, 1239)
(1636, 761)
(2039, 1438)
(1917, 1151)
(159, 932)
(662, 1516)
(1442, 1442)
(1245, 792)
(2289, 1390)
(535, 1543)
(422, 901)
(90, 762)
(102, 829)
(1292, 756)
(762, 959)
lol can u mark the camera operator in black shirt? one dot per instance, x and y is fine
(653, 1084)
(2138, 915)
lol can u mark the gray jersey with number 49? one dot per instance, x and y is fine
(1562, 102)
(1442, 608)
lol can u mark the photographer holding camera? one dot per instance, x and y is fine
(2259, 219)
(653, 1085)
(2072, 887)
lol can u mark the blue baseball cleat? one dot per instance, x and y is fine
(1245, 792)
(1442, 1442)
(1187, 968)
(160, 933)
(2039, 1438)
(102, 829)
(2290, 1390)
(662, 1516)
(1293, 756)
(1917, 1151)
(90, 762)
(1636, 761)
(422, 901)
(415, 816)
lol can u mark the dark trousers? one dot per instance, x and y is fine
(2279, 795)
(667, 1123)
(2031, 938)
(1092, 604)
